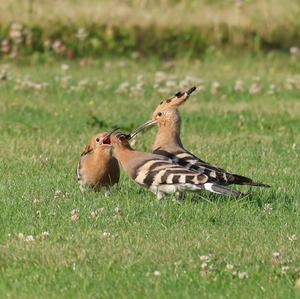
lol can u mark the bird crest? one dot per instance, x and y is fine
(174, 102)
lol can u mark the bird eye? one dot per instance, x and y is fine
(97, 139)
(159, 114)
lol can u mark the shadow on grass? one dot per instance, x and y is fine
(256, 197)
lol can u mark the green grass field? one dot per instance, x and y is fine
(127, 244)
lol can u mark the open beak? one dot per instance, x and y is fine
(106, 140)
(141, 128)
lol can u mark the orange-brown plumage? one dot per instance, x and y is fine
(97, 167)
(168, 142)
(159, 174)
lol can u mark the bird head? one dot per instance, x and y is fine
(120, 140)
(101, 141)
(166, 113)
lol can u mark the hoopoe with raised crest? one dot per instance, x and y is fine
(168, 143)
(97, 167)
(159, 174)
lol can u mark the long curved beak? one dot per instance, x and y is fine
(112, 131)
(141, 128)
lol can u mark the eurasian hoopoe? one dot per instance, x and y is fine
(159, 174)
(97, 167)
(168, 143)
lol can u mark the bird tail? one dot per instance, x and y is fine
(219, 189)
(242, 180)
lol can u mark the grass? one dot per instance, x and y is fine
(146, 248)
(75, 29)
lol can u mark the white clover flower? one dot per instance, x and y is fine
(205, 258)
(239, 86)
(123, 88)
(268, 208)
(57, 193)
(29, 238)
(75, 215)
(215, 88)
(229, 267)
(21, 236)
(6, 46)
(156, 273)
(276, 254)
(294, 51)
(96, 214)
(105, 234)
(204, 266)
(292, 238)
(64, 67)
(118, 210)
(285, 269)
(243, 275)
(82, 34)
(255, 87)
(44, 235)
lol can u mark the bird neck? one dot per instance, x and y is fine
(102, 153)
(124, 154)
(168, 135)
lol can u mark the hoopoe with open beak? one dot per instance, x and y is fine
(159, 174)
(168, 143)
(97, 167)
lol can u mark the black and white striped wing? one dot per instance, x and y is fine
(191, 162)
(167, 177)
(216, 174)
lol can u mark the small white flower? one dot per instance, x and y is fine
(21, 236)
(96, 214)
(64, 67)
(292, 238)
(294, 51)
(29, 238)
(255, 86)
(105, 234)
(204, 266)
(118, 210)
(75, 215)
(123, 88)
(82, 33)
(205, 258)
(268, 208)
(44, 235)
(276, 254)
(239, 86)
(243, 275)
(229, 266)
(57, 193)
(215, 87)
(156, 273)
(285, 269)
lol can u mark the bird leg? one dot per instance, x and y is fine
(180, 195)
(160, 195)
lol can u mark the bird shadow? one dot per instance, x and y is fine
(257, 198)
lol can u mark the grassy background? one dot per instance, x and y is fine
(72, 28)
(47, 116)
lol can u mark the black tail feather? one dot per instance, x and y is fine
(242, 180)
